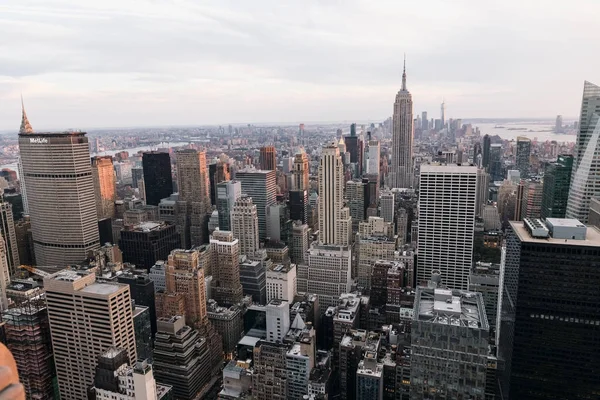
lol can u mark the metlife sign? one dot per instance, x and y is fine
(38, 140)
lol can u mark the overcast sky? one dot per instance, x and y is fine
(104, 63)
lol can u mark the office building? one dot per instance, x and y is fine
(144, 244)
(387, 205)
(369, 378)
(278, 320)
(157, 176)
(143, 333)
(137, 176)
(335, 223)
(269, 381)
(485, 279)
(102, 316)
(327, 273)
(460, 317)
(300, 359)
(226, 286)
(103, 174)
(531, 195)
(279, 223)
(298, 205)
(228, 322)
(594, 216)
(116, 380)
(557, 180)
(300, 171)
(227, 194)
(354, 146)
(299, 242)
(194, 196)
(549, 314)
(496, 165)
(141, 288)
(585, 180)
(28, 338)
(522, 156)
(372, 157)
(217, 172)
(262, 187)
(401, 169)
(483, 184)
(8, 233)
(267, 159)
(447, 205)
(487, 143)
(181, 358)
(253, 277)
(51, 162)
(244, 225)
(424, 122)
(281, 282)
(371, 248)
(356, 190)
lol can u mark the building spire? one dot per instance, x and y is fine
(404, 74)
(25, 125)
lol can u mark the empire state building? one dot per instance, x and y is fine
(401, 169)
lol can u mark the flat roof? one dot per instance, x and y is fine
(592, 238)
(450, 168)
(248, 341)
(568, 222)
(450, 307)
(102, 288)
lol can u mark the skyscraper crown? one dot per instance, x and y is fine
(25, 125)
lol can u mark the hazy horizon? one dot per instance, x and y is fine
(161, 63)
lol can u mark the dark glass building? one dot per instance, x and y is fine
(143, 333)
(354, 146)
(142, 292)
(557, 180)
(550, 311)
(157, 176)
(298, 205)
(137, 174)
(253, 278)
(485, 156)
(148, 242)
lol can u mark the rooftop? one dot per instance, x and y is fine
(450, 169)
(592, 237)
(450, 307)
(102, 288)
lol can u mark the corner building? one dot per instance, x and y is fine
(60, 191)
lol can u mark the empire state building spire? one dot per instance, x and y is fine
(404, 75)
(25, 125)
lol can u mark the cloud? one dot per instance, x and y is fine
(144, 62)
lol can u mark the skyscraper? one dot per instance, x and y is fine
(262, 187)
(7, 231)
(99, 314)
(218, 172)
(335, 223)
(523, 154)
(401, 169)
(267, 159)
(549, 319)
(244, 225)
(372, 157)
(424, 121)
(227, 194)
(300, 171)
(354, 146)
(443, 114)
(4, 276)
(60, 190)
(495, 166)
(585, 180)
(103, 173)
(157, 176)
(194, 194)
(447, 206)
(487, 142)
(226, 286)
(557, 180)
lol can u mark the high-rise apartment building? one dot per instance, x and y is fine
(227, 194)
(447, 205)
(299, 242)
(327, 273)
(522, 156)
(262, 187)
(387, 205)
(549, 317)
(60, 191)
(7, 232)
(557, 180)
(244, 225)
(401, 168)
(300, 171)
(157, 176)
(459, 317)
(226, 287)
(194, 195)
(335, 223)
(585, 179)
(99, 314)
(103, 174)
(268, 159)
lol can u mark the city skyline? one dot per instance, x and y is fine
(195, 74)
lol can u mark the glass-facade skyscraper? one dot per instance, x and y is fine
(550, 319)
(585, 179)
(557, 180)
(157, 176)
